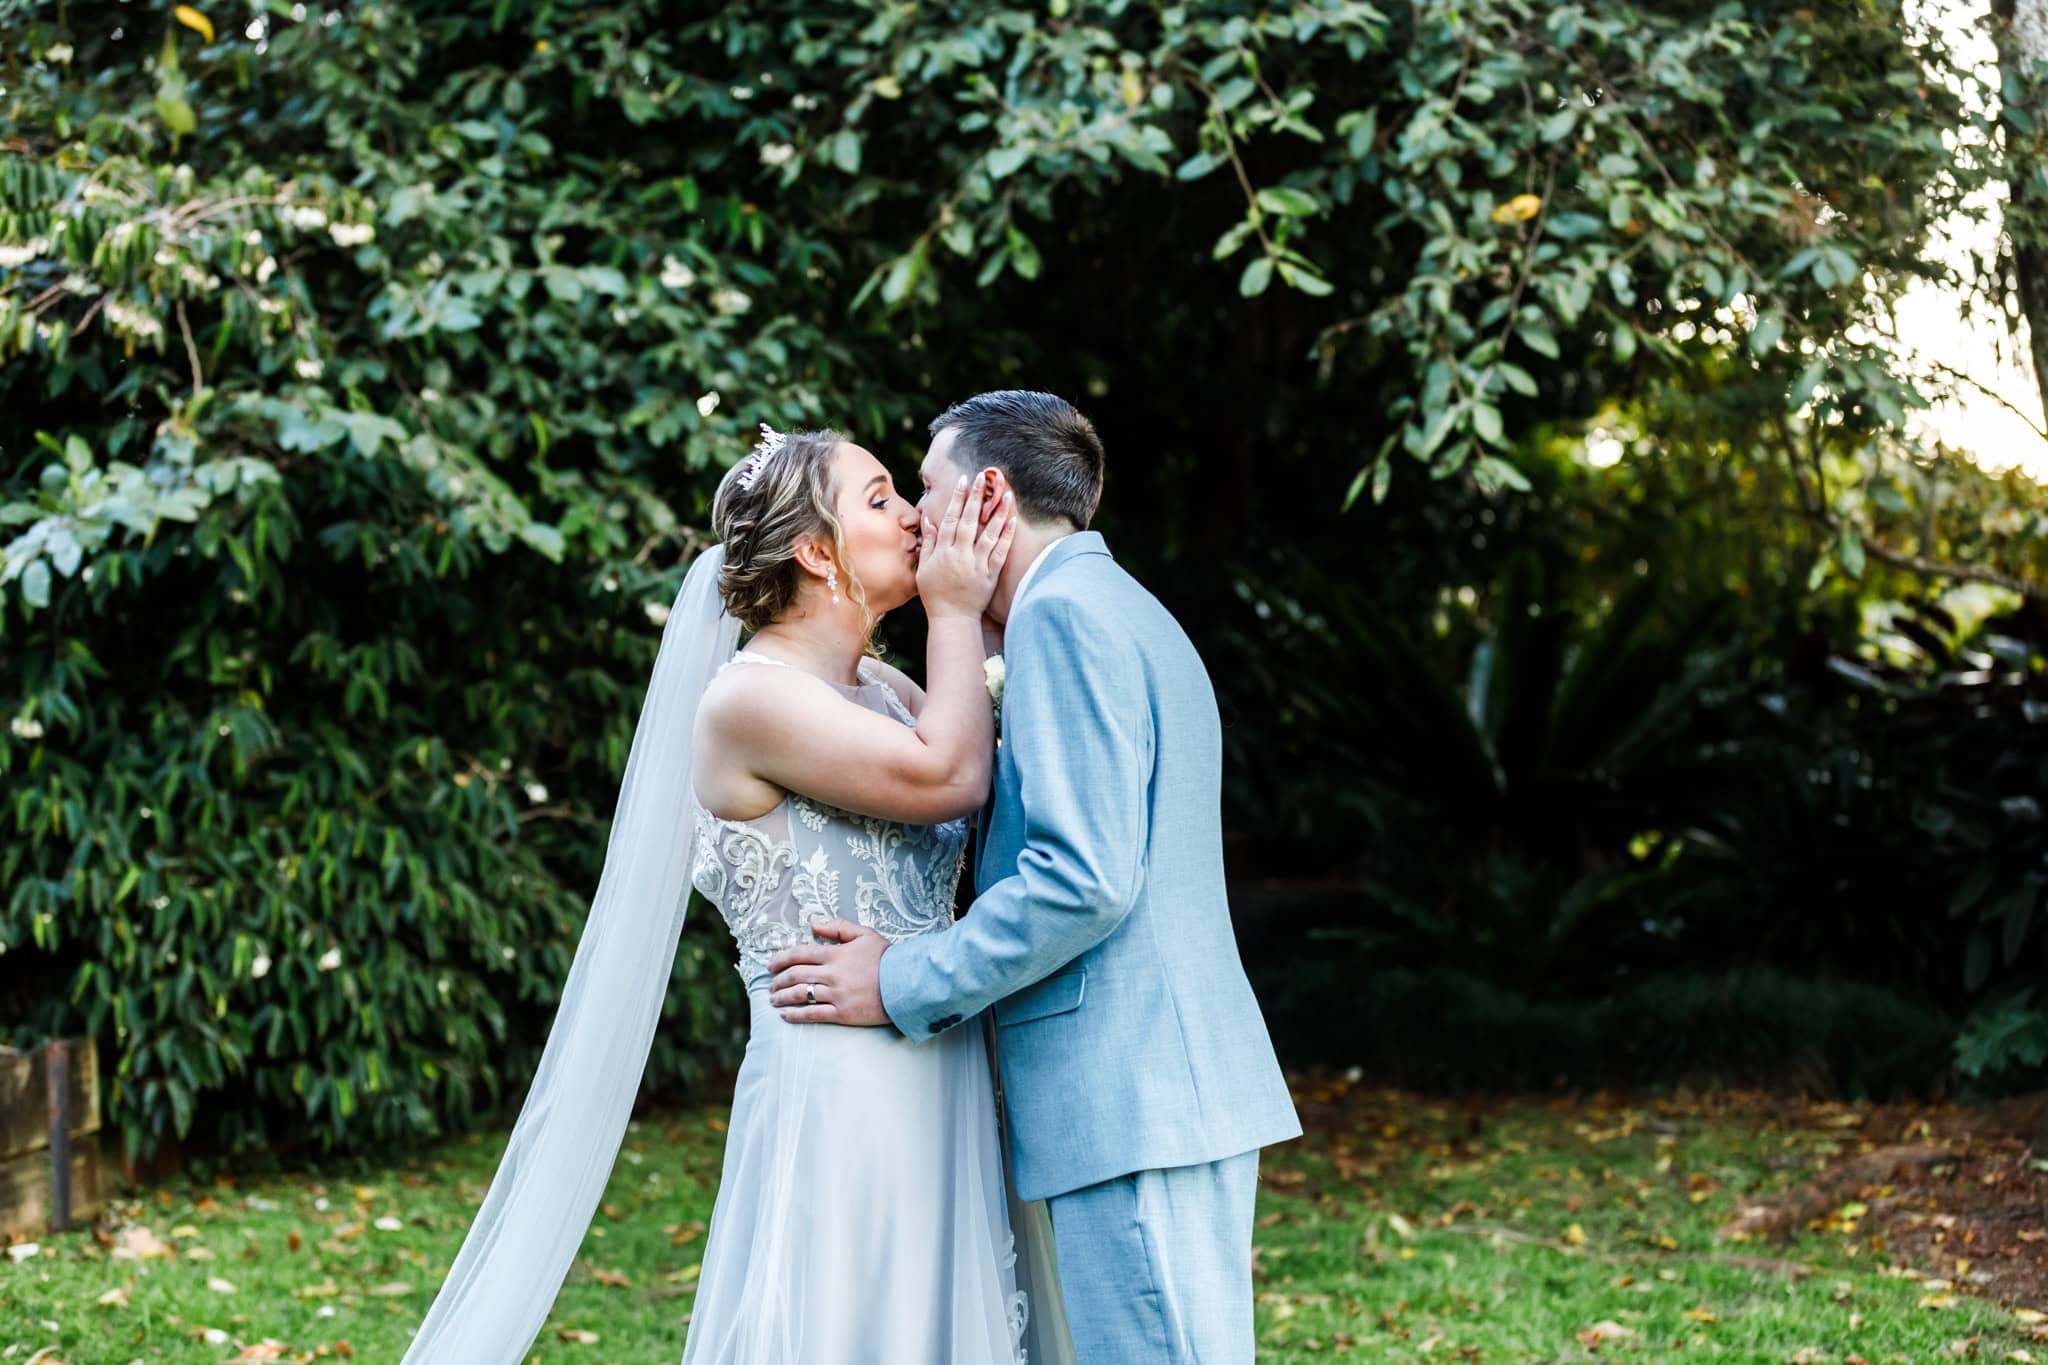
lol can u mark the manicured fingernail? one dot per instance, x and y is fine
(962, 483)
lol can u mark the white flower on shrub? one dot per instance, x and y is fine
(776, 153)
(304, 216)
(26, 727)
(252, 238)
(329, 960)
(536, 793)
(508, 953)
(352, 234)
(803, 104)
(60, 53)
(708, 404)
(676, 275)
(260, 968)
(730, 301)
(12, 257)
(308, 367)
(657, 612)
(128, 318)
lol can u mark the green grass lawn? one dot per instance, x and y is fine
(1400, 1229)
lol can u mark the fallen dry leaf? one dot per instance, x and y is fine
(266, 1349)
(578, 1335)
(611, 1277)
(138, 1243)
(1591, 1337)
(390, 1290)
(220, 1286)
(1701, 1315)
(116, 1297)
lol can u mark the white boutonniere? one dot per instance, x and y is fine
(992, 675)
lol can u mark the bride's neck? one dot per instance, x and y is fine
(828, 643)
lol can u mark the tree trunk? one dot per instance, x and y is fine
(2022, 33)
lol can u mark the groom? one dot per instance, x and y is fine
(1137, 1074)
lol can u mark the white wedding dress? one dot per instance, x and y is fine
(863, 1217)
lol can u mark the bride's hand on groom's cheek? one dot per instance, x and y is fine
(835, 981)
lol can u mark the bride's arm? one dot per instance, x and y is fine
(790, 730)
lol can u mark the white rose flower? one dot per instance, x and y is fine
(993, 675)
(329, 960)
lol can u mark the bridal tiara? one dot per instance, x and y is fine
(770, 444)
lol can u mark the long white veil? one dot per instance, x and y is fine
(504, 1280)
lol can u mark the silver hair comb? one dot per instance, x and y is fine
(770, 444)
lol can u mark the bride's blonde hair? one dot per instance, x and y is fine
(765, 506)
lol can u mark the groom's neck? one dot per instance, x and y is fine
(1033, 540)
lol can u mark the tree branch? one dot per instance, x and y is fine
(1921, 565)
(191, 351)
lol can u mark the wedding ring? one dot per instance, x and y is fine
(810, 995)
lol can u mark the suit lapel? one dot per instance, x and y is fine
(1055, 555)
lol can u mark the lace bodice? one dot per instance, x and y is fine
(805, 862)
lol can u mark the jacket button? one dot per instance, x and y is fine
(941, 1025)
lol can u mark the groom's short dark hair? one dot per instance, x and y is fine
(1046, 449)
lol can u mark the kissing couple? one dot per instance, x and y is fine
(875, 1208)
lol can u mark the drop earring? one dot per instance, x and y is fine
(832, 582)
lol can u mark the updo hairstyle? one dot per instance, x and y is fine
(792, 497)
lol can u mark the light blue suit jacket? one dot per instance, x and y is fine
(1127, 1035)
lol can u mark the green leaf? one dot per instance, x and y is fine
(176, 114)
(1486, 424)
(1769, 328)
(1288, 203)
(1500, 474)
(544, 538)
(1850, 552)
(1256, 277)
(1538, 338)
(846, 151)
(902, 275)
(1308, 281)
(1023, 255)
(1559, 125)
(1197, 166)
(1234, 92)
(1004, 161)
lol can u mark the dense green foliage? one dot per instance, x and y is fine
(363, 372)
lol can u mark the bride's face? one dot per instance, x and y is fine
(878, 526)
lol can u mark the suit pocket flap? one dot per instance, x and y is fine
(1055, 995)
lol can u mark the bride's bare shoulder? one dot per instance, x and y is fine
(744, 697)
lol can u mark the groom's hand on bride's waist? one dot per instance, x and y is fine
(834, 981)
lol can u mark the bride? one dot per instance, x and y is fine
(795, 781)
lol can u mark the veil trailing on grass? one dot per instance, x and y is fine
(498, 1292)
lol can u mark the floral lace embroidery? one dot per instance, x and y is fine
(776, 876)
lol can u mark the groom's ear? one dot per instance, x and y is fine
(993, 486)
